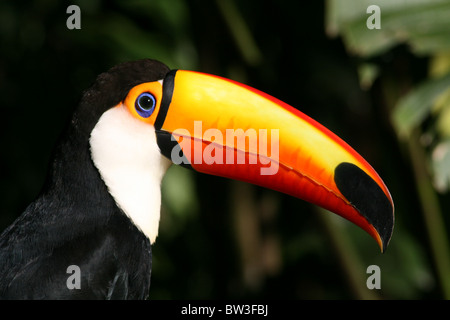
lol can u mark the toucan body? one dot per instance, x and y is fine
(99, 209)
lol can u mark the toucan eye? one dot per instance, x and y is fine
(145, 104)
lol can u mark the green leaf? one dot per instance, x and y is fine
(440, 159)
(413, 108)
(178, 191)
(422, 24)
(170, 14)
(367, 73)
(443, 120)
(414, 274)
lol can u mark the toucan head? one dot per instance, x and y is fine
(155, 117)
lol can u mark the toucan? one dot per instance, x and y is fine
(99, 208)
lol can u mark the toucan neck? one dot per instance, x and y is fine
(73, 179)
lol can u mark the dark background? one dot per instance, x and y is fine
(220, 238)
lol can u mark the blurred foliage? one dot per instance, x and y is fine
(418, 107)
(226, 239)
(423, 24)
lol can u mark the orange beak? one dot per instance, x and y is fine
(221, 127)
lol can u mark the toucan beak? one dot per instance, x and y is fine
(221, 127)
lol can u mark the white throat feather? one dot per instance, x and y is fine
(126, 153)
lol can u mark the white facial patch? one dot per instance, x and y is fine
(125, 152)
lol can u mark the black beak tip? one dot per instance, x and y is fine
(368, 198)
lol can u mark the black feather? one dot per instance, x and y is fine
(74, 220)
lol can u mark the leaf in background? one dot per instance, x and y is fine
(423, 24)
(443, 121)
(133, 42)
(179, 200)
(440, 159)
(171, 15)
(440, 64)
(413, 108)
(178, 191)
(141, 29)
(417, 277)
(173, 26)
(367, 73)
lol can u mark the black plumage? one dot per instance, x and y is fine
(74, 220)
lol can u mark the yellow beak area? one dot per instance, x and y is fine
(221, 127)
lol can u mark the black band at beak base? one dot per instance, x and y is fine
(168, 85)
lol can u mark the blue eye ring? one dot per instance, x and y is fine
(145, 104)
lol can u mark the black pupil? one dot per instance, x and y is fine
(146, 103)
